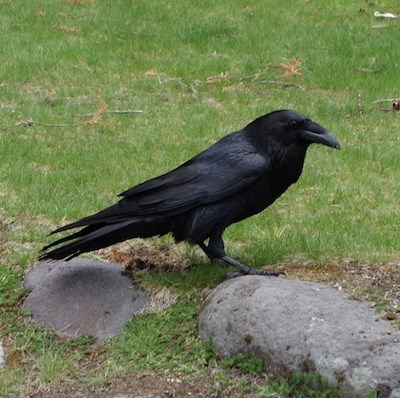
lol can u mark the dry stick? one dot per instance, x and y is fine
(32, 122)
(386, 100)
(124, 111)
(281, 84)
(394, 100)
(180, 82)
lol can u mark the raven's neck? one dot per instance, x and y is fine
(286, 163)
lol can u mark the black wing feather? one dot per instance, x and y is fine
(208, 177)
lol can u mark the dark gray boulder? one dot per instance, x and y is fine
(308, 327)
(82, 297)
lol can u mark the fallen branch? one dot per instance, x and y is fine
(123, 111)
(281, 84)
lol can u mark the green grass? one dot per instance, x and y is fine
(60, 58)
(300, 385)
(159, 342)
(245, 363)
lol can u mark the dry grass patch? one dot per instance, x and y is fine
(142, 254)
(289, 69)
(66, 28)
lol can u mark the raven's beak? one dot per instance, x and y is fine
(320, 136)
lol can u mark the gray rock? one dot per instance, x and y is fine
(301, 326)
(82, 297)
(39, 273)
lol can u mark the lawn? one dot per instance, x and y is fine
(74, 75)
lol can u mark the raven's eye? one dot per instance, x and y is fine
(294, 123)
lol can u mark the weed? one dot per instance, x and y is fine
(245, 363)
(300, 385)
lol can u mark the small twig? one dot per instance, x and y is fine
(395, 104)
(385, 100)
(124, 111)
(368, 70)
(180, 82)
(281, 84)
(32, 123)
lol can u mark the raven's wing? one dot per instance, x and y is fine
(208, 177)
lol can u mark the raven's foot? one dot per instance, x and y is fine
(217, 252)
(246, 270)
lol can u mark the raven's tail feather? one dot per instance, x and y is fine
(98, 236)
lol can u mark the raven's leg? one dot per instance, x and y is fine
(216, 250)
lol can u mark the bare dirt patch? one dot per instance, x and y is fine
(152, 385)
(145, 255)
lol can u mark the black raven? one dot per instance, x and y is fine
(235, 178)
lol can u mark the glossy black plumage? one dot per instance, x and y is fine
(238, 176)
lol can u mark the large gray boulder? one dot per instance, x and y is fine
(82, 297)
(307, 327)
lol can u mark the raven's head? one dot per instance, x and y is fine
(311, 131)
(289, 127)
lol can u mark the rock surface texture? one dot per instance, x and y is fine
(308, 327)
(82, 297)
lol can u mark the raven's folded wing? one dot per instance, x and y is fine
(199, 181)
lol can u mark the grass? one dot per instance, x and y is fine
(198, 71)
(302, 386)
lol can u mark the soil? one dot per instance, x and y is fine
(150, 385)
(144, 386)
